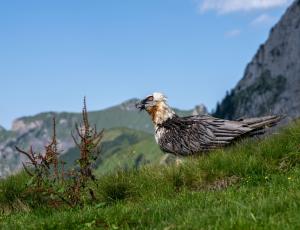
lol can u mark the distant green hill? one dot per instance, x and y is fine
(4, 134)
(122, 148)
(123, 115)
(36, 131)
(129, 150)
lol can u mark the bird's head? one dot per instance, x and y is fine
(151, 102)
(156, 105)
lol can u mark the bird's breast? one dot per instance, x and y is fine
(159, 132)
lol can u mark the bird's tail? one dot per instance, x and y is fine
(260, 124)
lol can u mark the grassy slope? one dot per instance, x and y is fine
(253, 185)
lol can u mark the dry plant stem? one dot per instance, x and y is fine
(68, 186)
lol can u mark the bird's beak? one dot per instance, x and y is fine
(141, 105)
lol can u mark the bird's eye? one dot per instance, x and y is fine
(150, 98)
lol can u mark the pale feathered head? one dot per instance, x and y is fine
(151, 101)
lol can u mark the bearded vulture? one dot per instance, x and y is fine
(197, 134)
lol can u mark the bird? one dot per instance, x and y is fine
(191, 135)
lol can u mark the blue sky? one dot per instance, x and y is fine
(52, 53)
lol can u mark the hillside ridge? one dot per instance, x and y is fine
(271, 82)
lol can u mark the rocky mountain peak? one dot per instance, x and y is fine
(20, 126)
(129, 105)
(200, 110)
(271, 82)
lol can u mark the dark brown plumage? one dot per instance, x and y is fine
(197, 134)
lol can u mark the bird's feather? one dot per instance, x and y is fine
(196, 134)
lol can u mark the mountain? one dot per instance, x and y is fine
(3, 133)
(123, 123)
(271, 82)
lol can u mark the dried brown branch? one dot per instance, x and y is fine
(29, 155)
(68, 186)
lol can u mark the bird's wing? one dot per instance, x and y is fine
(196, 134)
(216, 132)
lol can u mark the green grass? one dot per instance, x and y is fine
(252, 185)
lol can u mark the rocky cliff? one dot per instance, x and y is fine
(271, 82)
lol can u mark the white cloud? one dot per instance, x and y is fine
(227, 6)
(232, 33)
(263, 19)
